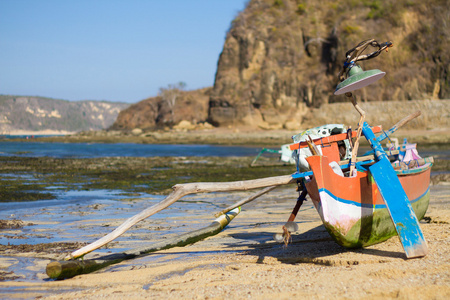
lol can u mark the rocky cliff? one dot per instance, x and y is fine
(23, 113)
(281, 57)
(160, 111)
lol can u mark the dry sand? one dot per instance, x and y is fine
(243, 262)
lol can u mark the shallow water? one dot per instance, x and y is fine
(93, 150)
(59, 220)
(85, 216)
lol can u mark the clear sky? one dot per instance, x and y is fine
(109, 49)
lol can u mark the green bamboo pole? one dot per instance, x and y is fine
(179, 191)
(71, 268)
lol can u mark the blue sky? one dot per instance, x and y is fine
(110, 50)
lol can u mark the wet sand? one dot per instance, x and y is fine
(243, 261)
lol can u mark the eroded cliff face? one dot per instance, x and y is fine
(282, 57)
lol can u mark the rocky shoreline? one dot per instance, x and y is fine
(438, 137)
(432, 127)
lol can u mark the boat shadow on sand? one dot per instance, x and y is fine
(314, 246)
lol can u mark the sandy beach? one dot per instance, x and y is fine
(243, 261)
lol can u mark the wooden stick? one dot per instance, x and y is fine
(290, 225)
(399, 124)
(297, 206)
(179, 191)
(69, 269)
(358, 133)
(312, 147)
(246, 200)
(367, 157)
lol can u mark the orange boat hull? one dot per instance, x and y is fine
(352, 208)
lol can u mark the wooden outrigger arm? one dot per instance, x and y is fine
(179, 191)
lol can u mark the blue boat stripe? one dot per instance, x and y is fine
(364, 204)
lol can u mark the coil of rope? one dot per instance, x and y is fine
(355, 54)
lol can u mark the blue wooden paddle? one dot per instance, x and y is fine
(397, 202)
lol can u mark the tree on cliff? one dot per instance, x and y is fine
(170, 94)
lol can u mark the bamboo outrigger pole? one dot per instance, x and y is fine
(69, 269)
(246, 200)
(179, 191)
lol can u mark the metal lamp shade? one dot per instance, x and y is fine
(357, 79)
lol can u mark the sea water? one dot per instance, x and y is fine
(85, 216)
(94, 150)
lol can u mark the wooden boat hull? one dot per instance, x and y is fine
(352, 209)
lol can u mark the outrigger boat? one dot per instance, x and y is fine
(372, 201)
(284, 155)
(361, 200)
(351, 207)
